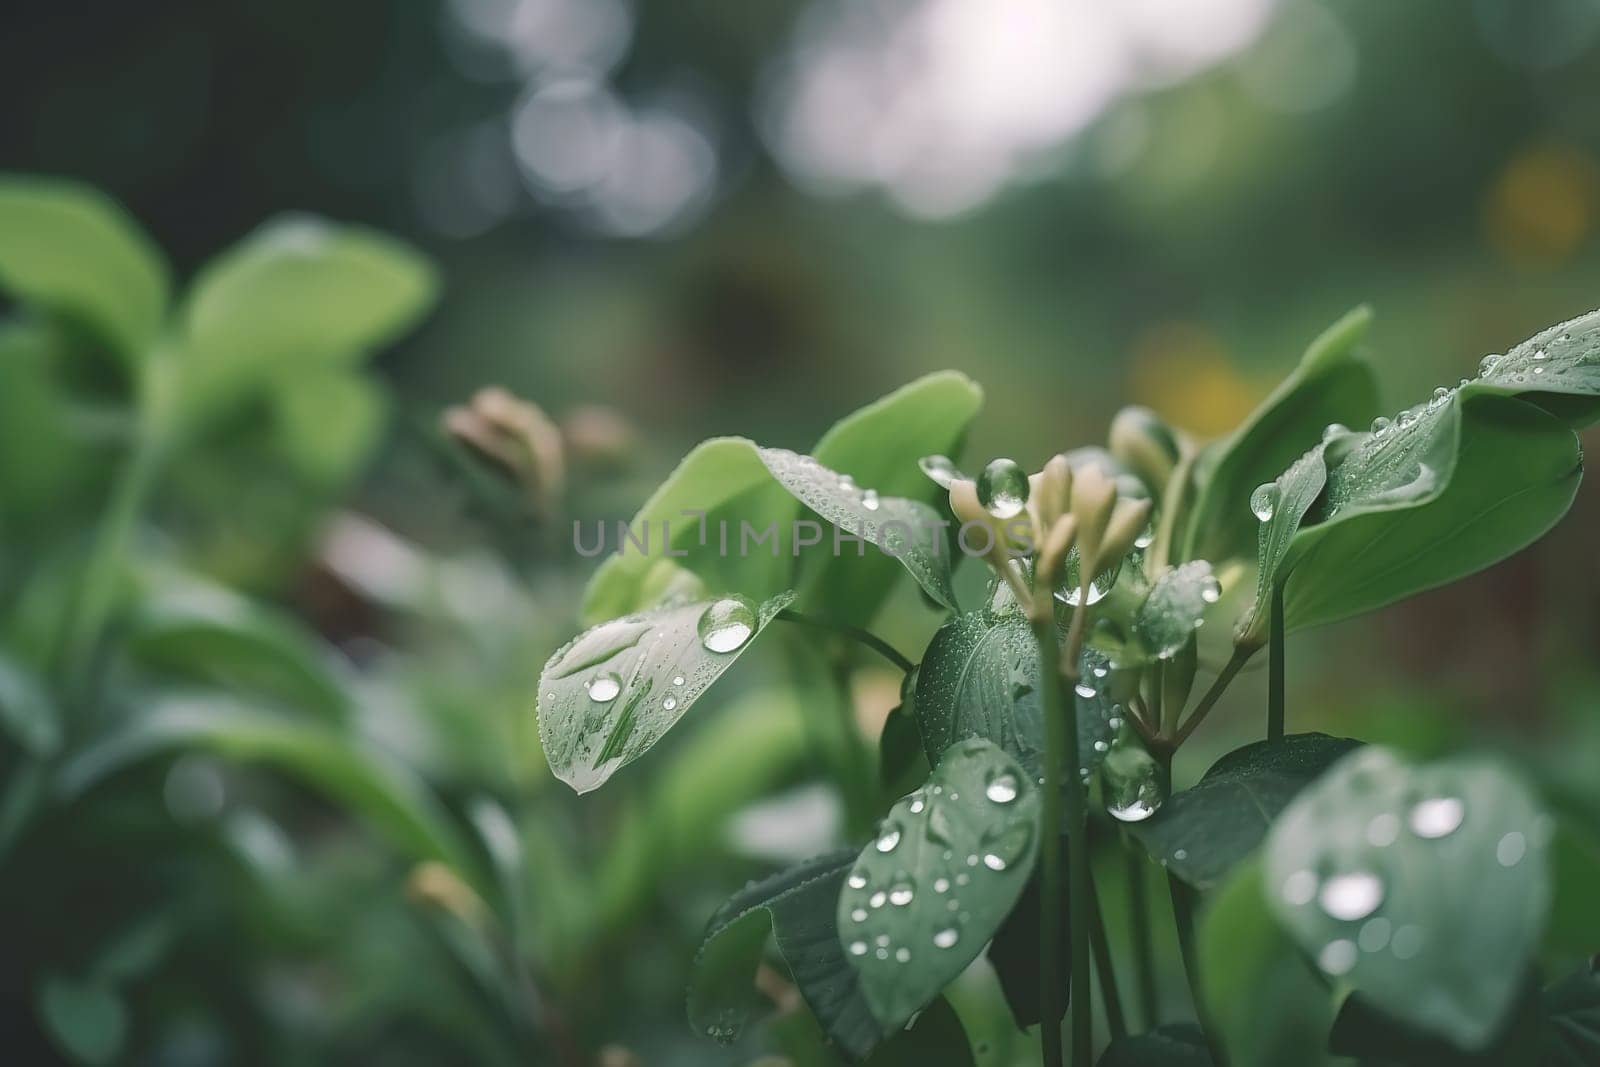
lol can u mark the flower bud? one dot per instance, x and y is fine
(1146, 445)
(1094, 494)
(516, 437)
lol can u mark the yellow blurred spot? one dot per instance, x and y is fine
(1182, 370)
(432, 884)
(1542, 206)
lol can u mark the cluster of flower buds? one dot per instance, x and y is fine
(1047, 515)
(517, 437)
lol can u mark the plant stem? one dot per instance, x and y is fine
(1275, 687)
(1183, 900)
(1144, 956)
(1172, 498)
(1241, 656)
(1104, 970)
(1056, 671)
(855, 633)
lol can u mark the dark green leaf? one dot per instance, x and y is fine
(72, 250)
(947, 866)
(1176, 607)
(908, 530)
(980, 678)
(901, 762)
(615, 689)
(1423, 887)
(1331, 385)
(1172, 1045)
(1201, 833)
(1572, 1014)
(935, 1036)
(797, 907)
(1014, 954)
(86, 1019)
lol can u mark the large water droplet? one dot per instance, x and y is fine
(1436, 816)
(888, 840)
(1134, 783)
(858, 948)
(869, 500)
(1334, 429)
(1003, 488)
(603, 688)
(1264, 501)
(1004, 846)
(1487, 364)
(1002, 788)
(857, 880)
(727, 624)
(1352, 895)
(669, 704)
(901, 894)
(940, 470)
(1070, 591)
(943, 939)
(1380, 425)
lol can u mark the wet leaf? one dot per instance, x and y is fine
(615, 689)
(1423, 887)
(1172, 1045)
(1014, 953)
(1176, 607)
(86, 1019)
(948, 864)
(1557, 368)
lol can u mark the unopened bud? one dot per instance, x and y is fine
(1052, 492)
(1053, 554)
(1128, 520)
(1094, 494)
(1146, 445)
(597, 436)
(516, 437)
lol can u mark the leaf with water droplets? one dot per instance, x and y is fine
(797, 907)
(980, 678)
(1297, 489)
(1175, 608)
(616, 688)
(1331, 384)
(1431, 909)
(1202, 832)
(1557, 368)
(909, 531)
(946, 867)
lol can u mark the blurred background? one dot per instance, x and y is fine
(662, 222)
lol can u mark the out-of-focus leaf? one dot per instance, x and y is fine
(1572, 1013)
(797, 907)
(1267, 1005)
(1573, 928)
(87, 1020)
(878, 446)
(1201, 833)
(299, 295)
(969, 836)
(328, 424)
(611, 693)
(42, 459)
(1422, 887)
(1331, 385)
(907, 530)
(725, 479)
(191, 629)
(980, 678)
(73, 250)
(1172, 1045)
(27, 711)
(902, 764)
(370, 785)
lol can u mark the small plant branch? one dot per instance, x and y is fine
(855, 633)
(1275, 687)
(1144, 956)
(1241, 656)
(1105, 970)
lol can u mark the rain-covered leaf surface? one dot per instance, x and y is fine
(980, 678)
(1176, 607)
(1557, 368)
(1283, 504)
(907, 530)
(1424, 887)
(797, 908)
(947, 865)
(1200, 833)
(615, 689)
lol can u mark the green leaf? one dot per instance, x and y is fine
(934, 1036)
(1575, 877)
(1423, 887)
(901, 762)
(1331, 385)
(1176, 607)
(908, 530)
(980, 678)
(947, 866)
(879, 446)
(724, 478)
(298, 295)
(27, 711)
(193, 629)
(72, 250)
(1014, 953)
(1200, 834)
(615, 689)
(328, 425)
(367, 783)
(1558, 369)
(1172, 1045)
(1268, 1008)
(797, 908)
(1289, 499)
(86, 1019)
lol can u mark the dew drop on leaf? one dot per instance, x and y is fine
(858, 948)
(945, 938)
(1003, 488)
(888, 840)
(1300, 887)
(869, 500)
(727, 624)
(1511, 849)
(1436, 817)
(1337, 957)
(1002, 788)
(857, 881)
(901, 895)
(1351, 896)
(940, 470)
(1333, 430)
(604, 688)
(1487, 364)
(1134, 784)
(1264, 501)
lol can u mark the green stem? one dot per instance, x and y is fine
(1183, 901)
(1241, 656)
(1172, 499)
(1104, 969)
(1144, 955)
(855, 633)
(1275, 688)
